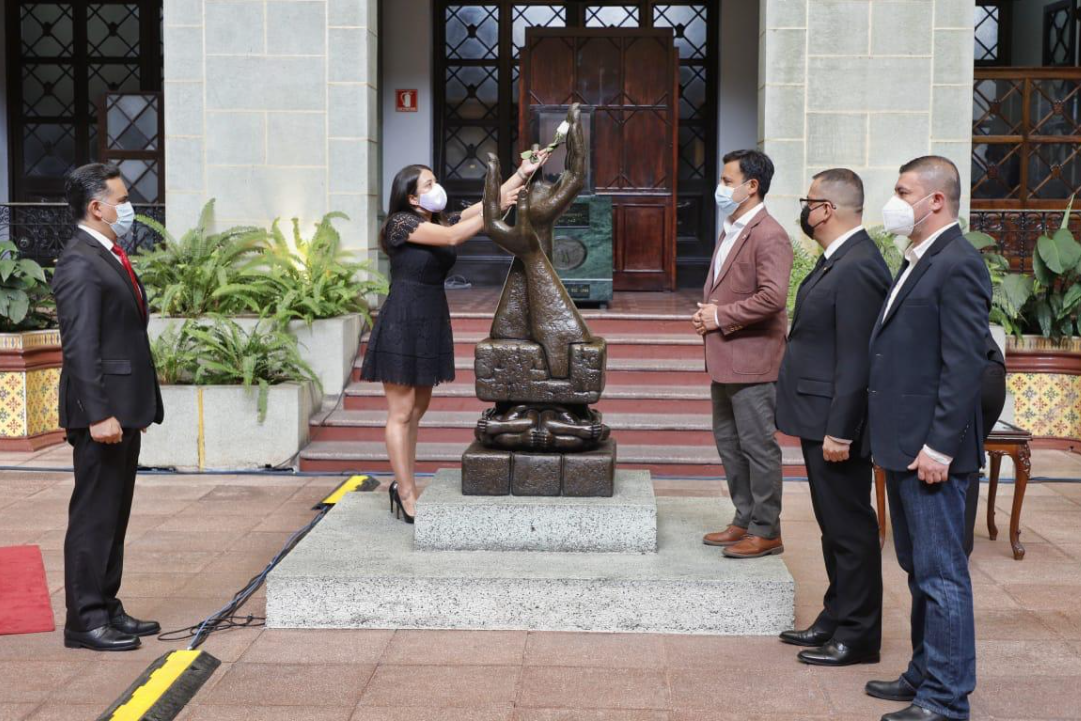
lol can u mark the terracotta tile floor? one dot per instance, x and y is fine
(195, 539)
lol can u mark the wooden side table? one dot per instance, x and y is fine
(1005, 440)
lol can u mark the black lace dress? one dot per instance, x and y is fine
(411, 342)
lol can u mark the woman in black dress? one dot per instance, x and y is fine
(411, 347)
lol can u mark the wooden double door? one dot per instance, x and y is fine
(630, 79)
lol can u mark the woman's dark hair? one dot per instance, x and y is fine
(87, 183)
(404, 185)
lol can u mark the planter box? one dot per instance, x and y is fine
(329, 346)
(217, 427)
(30, 390)
(1044, 378)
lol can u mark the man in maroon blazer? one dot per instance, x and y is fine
(743, 320)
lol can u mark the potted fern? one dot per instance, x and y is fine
(236, 398)
(30, 356)
(319, 293)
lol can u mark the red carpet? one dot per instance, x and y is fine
(24, 593)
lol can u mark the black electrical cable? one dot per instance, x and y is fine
(226, 618)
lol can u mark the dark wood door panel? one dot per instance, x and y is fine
(630, 77)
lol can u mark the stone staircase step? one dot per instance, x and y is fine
(457, 427)
(685, 345)
(617, 398)
(682, 461)
(621, 371)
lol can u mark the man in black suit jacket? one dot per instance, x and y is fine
(927, 361)
(822, 399)
(108, 394)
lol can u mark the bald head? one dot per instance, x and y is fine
(936, 174)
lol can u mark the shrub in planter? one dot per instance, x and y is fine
(30, 357)
(224, 354)
(803, 262)
(202, 272)
(317, 278)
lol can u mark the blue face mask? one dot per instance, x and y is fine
(725, 202)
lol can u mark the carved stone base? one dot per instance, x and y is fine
(496, 472)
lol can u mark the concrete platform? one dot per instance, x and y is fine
(358, 569)
(447, 520)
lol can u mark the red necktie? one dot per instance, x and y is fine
(119, 252)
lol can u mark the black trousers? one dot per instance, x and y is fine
(97, 523)
(841, 498)
(992, 401)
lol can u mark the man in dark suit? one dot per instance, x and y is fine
(108, 394)
(927, 358)
(822, 399)
(743, 319)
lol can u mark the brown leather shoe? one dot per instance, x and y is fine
(755, 547)
(727, 537)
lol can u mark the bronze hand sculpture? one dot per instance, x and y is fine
(534, 305)
(540, 364)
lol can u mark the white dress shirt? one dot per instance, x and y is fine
(913, 254)
(836, 244)
(108, 244)
(732, 231)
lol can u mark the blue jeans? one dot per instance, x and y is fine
(928, 533)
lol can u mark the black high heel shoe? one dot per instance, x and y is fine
(400, 511)
(392, 491)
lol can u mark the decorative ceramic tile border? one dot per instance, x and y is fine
(1036, 343)
(30, 340)
(1047, 404)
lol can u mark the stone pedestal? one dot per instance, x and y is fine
(448, 520)
(358, 568)
(498, 472)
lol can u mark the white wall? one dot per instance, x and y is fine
(407, 64)
(864, 85)
(270, 107)
(737, 91)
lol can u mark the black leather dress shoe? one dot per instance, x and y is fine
(914, 713)
(133, 626)
(896, 690)
(836, 653)
(811, 638)
(102, 638)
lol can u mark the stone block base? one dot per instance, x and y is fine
(358, 569)
(448, 520)
(497, 472)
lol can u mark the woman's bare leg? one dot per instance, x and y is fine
(422, 397)
(400, 403)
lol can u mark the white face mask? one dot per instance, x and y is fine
(899, 218)
(725, 202)
(434, 200)
(125, 218)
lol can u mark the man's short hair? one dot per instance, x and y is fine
(938, 174)
(755, 165)
(86, 183)
(844, 187)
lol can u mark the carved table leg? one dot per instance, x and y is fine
(992, 491)
(1022, 462)
(880, 502)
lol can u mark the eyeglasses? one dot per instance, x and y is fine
(804, 202)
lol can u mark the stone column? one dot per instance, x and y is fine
(270, 107)
(863, 84)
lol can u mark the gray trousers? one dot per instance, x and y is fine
(744, 429)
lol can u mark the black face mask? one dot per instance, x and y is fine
(805, 223)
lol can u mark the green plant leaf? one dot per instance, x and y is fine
(1071, 299)
(980, 241)
(1044, 317)
(1016, 289)
(1039, 268)
(1066, 215)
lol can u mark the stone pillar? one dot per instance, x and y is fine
(863, 84)
(271, 108)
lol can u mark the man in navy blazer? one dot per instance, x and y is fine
(927, 361)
